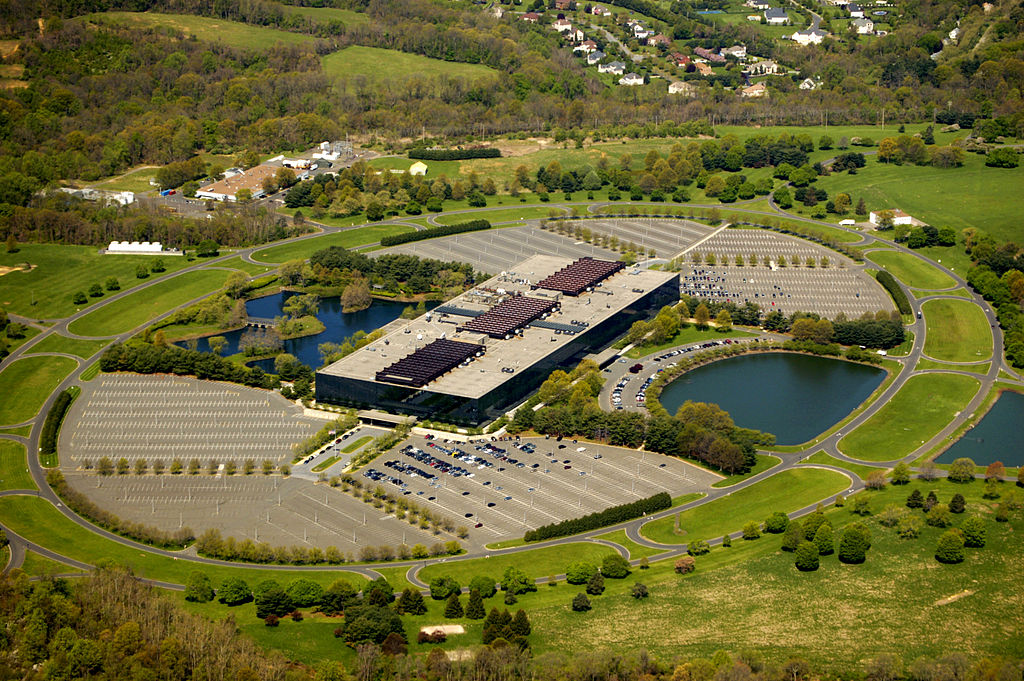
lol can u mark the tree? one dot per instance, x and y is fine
(615, 566)
(453, 608)
(957, 504)
(874, 480)
(271, 599)
(698, 548)
(793, 536)
(950, 548)
(112, 284)
(356, 295)
(95, 291)
(520, 625)
(823, 539)
(915, 499)
(305, 593)
(580, 603)
(995, 471)
(702, 315)
(854, 543)
(723, 321)
(777, 523)
(79, 298)
(198, 589)
(595, 587)
(207, 249)
(12, 244)
(234, 591)
(410, 603)
(861, 505)
(973, 529)
(961, 470)
(639, 591)
(580, 572)
(394, 644)
(685, 565)
(807, 556)
(484, 584)
(236, 284)
(475, 607)
(516, 582)
(901, 474)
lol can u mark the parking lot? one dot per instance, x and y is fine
(159, 417)
(319, 462)
(668, 237)
(843, 286)
(496, 250)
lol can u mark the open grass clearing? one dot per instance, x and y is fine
(37, 565)
(912, 271)
(921, 408)
(356, 444)
(71, 346)
(823, 457)
(350, 238)
(786, 491)
(41, 523)
(245, 266)
(379, 64)
(538, 563)
(135, 310)
(686, 335)
(14, 467)
(326, 463)
(29, 333)
(764, 462)
(27, 383)
(23, 431)
(231, 33)
(324, 15)
(904, 348)
(960, 293)
(58, 272)
(133, 181)
(926, 364)
(90, 372)
(958, 331)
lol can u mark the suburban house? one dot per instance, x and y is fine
(600, 11)
(595, 57)
(855, 10)
(713, 57)
(631, 79)
(863, 26)
(809, 37)
(809, 84)
(616, 67)
(562, 5)
(755, 90)
(759, 4)
(532, 17)
(776, 16)
(702, 68)
(875, 217)
(679, 59)
(765, 67)
(587, 46)
(562, 25)
(574, 35)
(658, 40)
(737, 51)
(680, 87)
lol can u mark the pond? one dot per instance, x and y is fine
(793, 396)
(997, 437)
(710, 11)
(339, 326)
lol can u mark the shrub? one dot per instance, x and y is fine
(939, 516)
(234, 591)
(793, 536)
(875, 480)
(485, 585)
(475, 607)
(726, 541)
(198, 589)
(698, 548)
(961, 470)
(811, 524)
(442, 587)
(915, 500)
(892, 286)
(950, 548)
(957, 504)
(580, 572)
(807, 556)
(271, 620)
(901, 474)
(296, 615)
(909, 527)
(615, 566)
(991, 489)
(685, 565)
(752, 530)
(639, 591)
(305, 593)
(854, 543)
(595, 587)
(454, 154)
(776, 523)
(580, 603)
(930, 501)
(861, 505)
(823, 539)
(973, 529)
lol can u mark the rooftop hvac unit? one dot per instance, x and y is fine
(419, 336)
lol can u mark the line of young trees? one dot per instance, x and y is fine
(51, 426)
(455, 154)
(609, 516)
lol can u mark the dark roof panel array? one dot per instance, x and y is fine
(429, 362)
(582, 274)
(508, 315)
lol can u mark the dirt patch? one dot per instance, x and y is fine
(4, 269)
(446, 629)
(8, 84)
(955, 597)
(12, 70)
(8, 47)
(459, 655)
(512, 148)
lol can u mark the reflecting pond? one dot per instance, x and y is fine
(793, 396)
(997, 437)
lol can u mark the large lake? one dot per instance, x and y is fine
(795, 397)
(340, 325)
(999, 436)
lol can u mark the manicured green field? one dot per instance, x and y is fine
(326, 463)
(350, 238)
(135, 310)
(379, 64)
(786, 491)
(59, 272)
(823, 457)
(247, 267)
(230, 33)
(24, 431)
(912, 271)
(504, 215)
(688, 334)
(635, 550)
(764, 462)
(90, 372)
(834, 233)
(353, 446)
(538, 563)
(970, 196)
(37, 565)
(72, 346)
(27, 383)
(958, 331)
(904, 348)
(14, 467)
(926, 364)
(921, 408)
(39, 522)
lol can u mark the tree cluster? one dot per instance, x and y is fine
(455, 154)
(51, 426)
(435, 231)
(144, 358)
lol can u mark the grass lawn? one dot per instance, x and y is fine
(39, 522)
(380, 64)
(32, 379)
(823, 457)
(503, 215)
(59, 272)
(350, 238)
(14, 467)
(635, 550)
(396, 577)
(836, 617)
(952, 257)
(904, 348)
(72, 346)
(134, 181)
(833, 233)
(912, 271)
(353, 446)
(15, 343)
(247, 267)
(24, 431)
(328, 14)
(960, 292)
(327, 463)
(926, 364)
(970, 196)
(958, 331)
(764, 462)
(37, 565)
(538, 563)
(687, 334)
(90, 372)
(921, 408)
(786, 491)
(135, 310)
(230, 33)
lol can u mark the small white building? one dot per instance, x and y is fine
(875, 217)
(595, 57)
(738, 51)
(809, 84)
(139, 248)
(418, 168)
(562, 25)
(89, 194)
(809, 37)
(631, 79)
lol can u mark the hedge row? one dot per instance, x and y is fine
(51, 427)
(454, 154)
(432, 232)
(898, 296)
(85, 507)
(609, 516)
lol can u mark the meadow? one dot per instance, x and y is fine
(71, 346)
(391, 65)
(958, 331)
(912, 271)
(32, 379)
(350, 238)
(231, 33)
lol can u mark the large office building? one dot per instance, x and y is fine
(475, 356)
